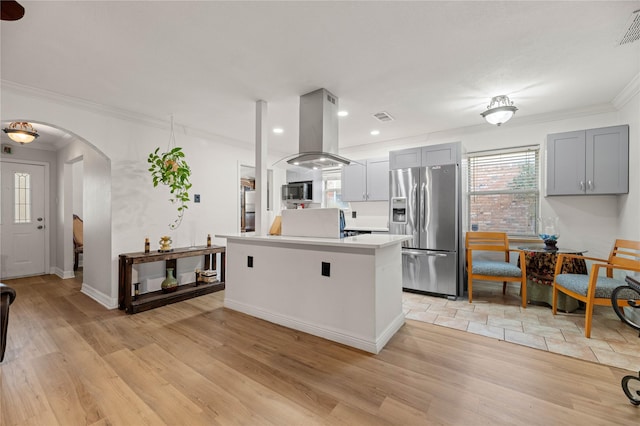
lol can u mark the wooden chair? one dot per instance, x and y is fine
(595, 289)
(78, 241)
(494, 270)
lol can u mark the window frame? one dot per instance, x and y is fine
(471, 169)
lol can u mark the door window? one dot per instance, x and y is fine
(22, 203)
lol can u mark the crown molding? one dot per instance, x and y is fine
(626, 94)
(120, 113)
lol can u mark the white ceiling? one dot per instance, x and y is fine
(432, 65)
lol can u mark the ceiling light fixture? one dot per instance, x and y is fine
(343, 113)
(375, 132)
(278, 130)
(499, 111)
(21, 132)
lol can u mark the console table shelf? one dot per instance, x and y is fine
(155, 299)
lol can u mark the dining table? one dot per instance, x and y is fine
(540, 264)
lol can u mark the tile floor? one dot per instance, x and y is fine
(499, 316)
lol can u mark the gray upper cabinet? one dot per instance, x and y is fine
(405, 158)
(367, 180)
(588, 162)
(432, 155)
(438, 155)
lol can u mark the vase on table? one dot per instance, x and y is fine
(170, 284)
(548, 232)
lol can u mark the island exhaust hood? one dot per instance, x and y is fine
(318, 145)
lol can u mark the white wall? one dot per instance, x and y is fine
(77, 170)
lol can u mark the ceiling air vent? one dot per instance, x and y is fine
(631, 30)
(383, 116)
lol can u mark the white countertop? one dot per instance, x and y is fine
(360, 241)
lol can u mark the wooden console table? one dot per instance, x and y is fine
(155, 299)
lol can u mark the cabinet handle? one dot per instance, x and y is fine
(581, 185)
(590, 185)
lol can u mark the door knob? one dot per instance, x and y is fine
(40, 227)
(39, 219)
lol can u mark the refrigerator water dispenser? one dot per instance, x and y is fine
(399, 210)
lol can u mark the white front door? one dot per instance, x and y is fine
(22, 220)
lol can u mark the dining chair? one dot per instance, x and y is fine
(595, 289)
(78, 241)
(494, 270)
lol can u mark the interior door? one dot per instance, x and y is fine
(22, 220)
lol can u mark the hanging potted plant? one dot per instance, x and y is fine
(171, 169)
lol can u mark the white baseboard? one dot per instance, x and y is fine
(340, 336)
(103, 299)
(62, 274)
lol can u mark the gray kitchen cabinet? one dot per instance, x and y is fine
(431, 155)
(367, 180)
(588, 162)
(441, 154)
(405, 158)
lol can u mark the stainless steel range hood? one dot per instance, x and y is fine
(318, 145)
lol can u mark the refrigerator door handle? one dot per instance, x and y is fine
(423, 253)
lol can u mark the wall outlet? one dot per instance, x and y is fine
(250, 261)
(353, 215)
(196, 198)
(326, 269)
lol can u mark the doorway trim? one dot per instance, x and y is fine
(47, 210)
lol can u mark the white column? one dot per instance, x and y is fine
(262, 227)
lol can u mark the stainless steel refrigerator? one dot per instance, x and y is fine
(425, 203)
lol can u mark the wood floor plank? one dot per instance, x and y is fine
(164, 399)
(67, 396)
(223, 407)
(70, 361)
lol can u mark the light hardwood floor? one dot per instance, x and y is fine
(69, 361)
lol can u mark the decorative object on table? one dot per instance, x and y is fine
(165, 244)
(170, 168)
(147, 245)
(208, 240)
(170, 284)
(548, 232)
(208, 276)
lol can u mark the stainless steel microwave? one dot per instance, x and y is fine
(298, 191)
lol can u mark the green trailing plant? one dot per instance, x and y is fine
(171, 169)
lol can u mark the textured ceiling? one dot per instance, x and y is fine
(432, 65)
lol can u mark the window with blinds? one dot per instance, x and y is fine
(503, 191)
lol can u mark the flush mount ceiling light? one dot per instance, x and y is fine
(499, 111)
(21, 132)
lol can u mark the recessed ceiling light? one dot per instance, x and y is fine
(343, 113)
(375, 132)
(278, 130)
(296, 163)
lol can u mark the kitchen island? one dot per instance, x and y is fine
(346, 290)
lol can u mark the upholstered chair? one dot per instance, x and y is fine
(494, 270)
(595, 289)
